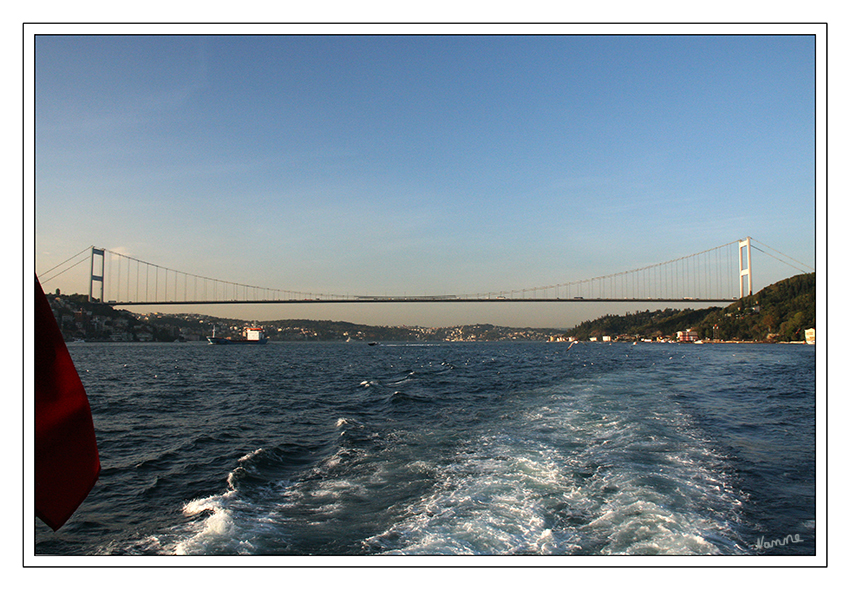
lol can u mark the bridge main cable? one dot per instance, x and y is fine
(229, 290)
(600, 280)
(678, 279)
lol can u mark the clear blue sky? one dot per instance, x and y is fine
(422, 165)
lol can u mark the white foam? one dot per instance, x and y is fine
(490, 503)
(211, 503)
(224, 524)
(250, 455)
(613, 482)
(216, 529)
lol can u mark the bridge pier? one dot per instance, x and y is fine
(94, 277)
(745, 263)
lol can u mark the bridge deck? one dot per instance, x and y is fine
(426, 300)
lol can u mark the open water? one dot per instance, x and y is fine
(444, 449)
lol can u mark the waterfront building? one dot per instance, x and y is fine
(687, 336)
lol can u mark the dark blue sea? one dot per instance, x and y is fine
(447, 449)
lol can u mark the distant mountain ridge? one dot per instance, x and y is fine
(343, 331)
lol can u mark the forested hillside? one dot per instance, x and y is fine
(780, 313)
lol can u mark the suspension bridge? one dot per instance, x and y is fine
(717, 275)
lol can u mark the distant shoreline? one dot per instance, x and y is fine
(355, 342)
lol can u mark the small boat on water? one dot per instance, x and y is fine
(252, 335)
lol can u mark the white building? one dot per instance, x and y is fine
(687, 336)
(810, 336)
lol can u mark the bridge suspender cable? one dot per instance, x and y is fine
(713, 275)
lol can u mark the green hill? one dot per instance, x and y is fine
(778, 313)
(642, 324)
(781, 312)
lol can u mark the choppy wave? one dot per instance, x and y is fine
(602, 485)
(597, 483)
(487, 450)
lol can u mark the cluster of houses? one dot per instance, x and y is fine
(681, 336)
(78, 321)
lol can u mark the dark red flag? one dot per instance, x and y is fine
(66, 460)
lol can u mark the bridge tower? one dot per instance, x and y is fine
(96, 277)
(745, 263)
